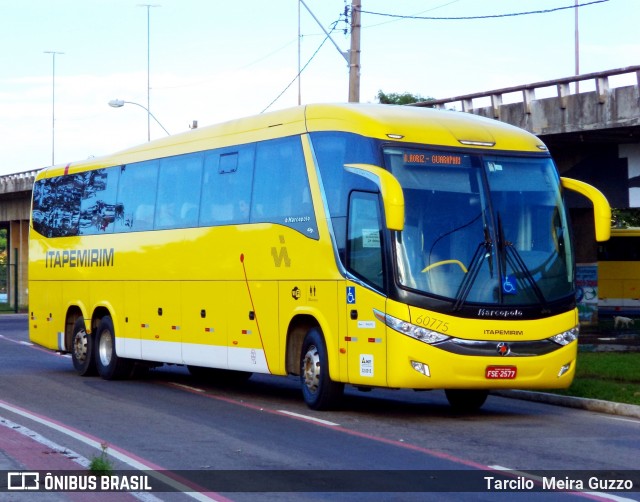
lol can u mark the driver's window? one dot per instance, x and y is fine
(365, 238)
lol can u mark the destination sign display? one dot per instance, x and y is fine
(435, 159)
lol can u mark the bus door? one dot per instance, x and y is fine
(366, 341)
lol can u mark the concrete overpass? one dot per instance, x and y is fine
(15, 200)
(594, 136)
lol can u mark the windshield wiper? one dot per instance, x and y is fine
(513, 258)
(483, 251)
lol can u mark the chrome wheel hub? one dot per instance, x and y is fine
(80, 345)
(105, 348)
(311, 369)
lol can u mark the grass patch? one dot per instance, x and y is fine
(611, 376)
(101, 464)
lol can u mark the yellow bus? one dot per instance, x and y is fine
(371, 245)
(619, 278)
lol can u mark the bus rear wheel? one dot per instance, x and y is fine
(82, 350)
(466, 400)
(110, 366)
(318, 390)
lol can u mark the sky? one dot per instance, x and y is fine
(215, 60)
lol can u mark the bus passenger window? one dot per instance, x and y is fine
(98, 208)
(137, 195)
(179, 186)
(56, 205)
(281, 193)
(226, 186)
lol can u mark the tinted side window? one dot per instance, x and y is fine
(365, 238)
(56, 205)
(137, 196)
(226, 186)
(179, 186)
(333, 150)
(281, 191)
(98, 207)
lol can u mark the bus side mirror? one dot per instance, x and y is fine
(601, 208)
(392, 196)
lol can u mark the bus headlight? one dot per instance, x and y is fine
(406, 328)
(566, 337)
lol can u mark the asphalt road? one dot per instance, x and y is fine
(167, 420)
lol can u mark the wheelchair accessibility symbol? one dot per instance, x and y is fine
(509, 285)
(351, 295)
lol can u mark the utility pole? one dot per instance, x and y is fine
(577, 47)
(299, 49)
(53, 105)
(354, 53)
(352, 57)
(148, 6)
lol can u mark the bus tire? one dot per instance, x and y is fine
(466, 400)
(318, 390)
(110, 366)
(82, 350)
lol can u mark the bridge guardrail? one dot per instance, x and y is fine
(18, 182)
(601, 79)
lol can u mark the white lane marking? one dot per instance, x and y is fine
(305, 417)
(604, 496)
(136, 464)
(188, 387)
(633, 421)
(66, 452)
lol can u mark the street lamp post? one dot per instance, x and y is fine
(119, 103)
(577, 46)
(53, 105)
(148, 6)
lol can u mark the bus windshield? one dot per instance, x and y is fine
(485, 229)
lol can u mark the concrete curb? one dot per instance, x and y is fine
(622, 409)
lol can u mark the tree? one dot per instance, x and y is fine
(405, 98)
(3, 247)
(623, 218)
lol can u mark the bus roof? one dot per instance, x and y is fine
(386, 122)
(421, 125)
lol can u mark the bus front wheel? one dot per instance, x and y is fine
(466, 400)
(110, 366)
(318, 390)
(82, 350)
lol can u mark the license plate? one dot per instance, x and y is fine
(500, 372)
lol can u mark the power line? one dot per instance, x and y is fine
(421, 12)
(297, 76)
(491, 16)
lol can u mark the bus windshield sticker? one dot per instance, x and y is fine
(370, 238)
(509, 285)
